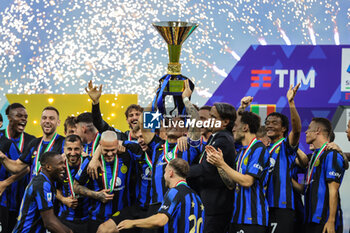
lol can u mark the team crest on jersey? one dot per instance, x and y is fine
(245, 161)
(124, 169)
(49, 196)
(278, 149)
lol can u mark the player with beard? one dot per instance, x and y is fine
(17, 116)
(181, 210)
(36, 213)
(132, 113)
(283, 148)
(324, 176)
(73, 210)
(87, 132)
(110, 192)
(50, 141)
(250, 173)
(141, 155)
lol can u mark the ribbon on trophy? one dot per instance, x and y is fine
(174, 33)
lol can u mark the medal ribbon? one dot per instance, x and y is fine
(279, 142)
(202, 156)
(311, 167)
(241, 158)
(70, 178)
(173, 153)
(148, 161)
(181, 182)
(21, 139)
(37, 165)
(114, 173)
(94, 144)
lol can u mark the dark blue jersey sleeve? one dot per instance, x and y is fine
(334, 167)
(44, 197)
(170, 203)
(256, 162)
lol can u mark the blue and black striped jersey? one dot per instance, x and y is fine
(280, 192)
(143, 173)
(328, 168)
(103, 211)
(159, 164)
(8, 199)
(184, 209)
(30, 154)
(298, 174)
(38, 196)
(250, 205)
(17, 191)
(81, 212)
(88, 146)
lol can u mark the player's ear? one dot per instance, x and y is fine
(245, 128)
(48, 167)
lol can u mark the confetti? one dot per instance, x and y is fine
(57, 46)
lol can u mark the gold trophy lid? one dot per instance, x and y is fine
(175, 33)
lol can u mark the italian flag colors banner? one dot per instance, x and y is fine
(263, 110)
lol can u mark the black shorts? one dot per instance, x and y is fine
(4, 218)
(246, 228)
(130, 212)
(137, 212)
(318, 228)
(93, 225)
(281, 220)
(76, 227)
(219, 223)
(12, 220)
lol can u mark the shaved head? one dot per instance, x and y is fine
(109, 145)
(109, 136)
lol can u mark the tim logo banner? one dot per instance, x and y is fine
(266, 72)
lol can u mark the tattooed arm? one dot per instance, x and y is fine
(215, 157)
(193, 132)
(230, 184)
(102, 195)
